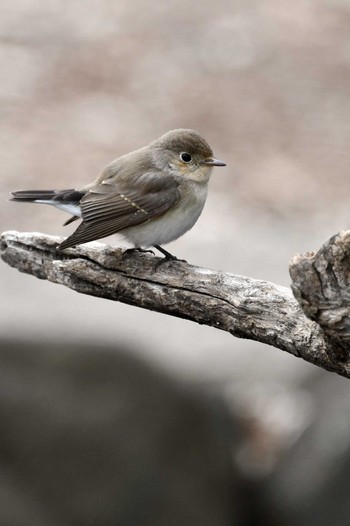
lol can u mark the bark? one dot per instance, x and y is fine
(245, 307)
(321, 284)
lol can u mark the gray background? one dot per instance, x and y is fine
(267, 84)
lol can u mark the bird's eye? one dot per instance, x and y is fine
(185, 157)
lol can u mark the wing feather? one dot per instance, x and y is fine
(111, 206)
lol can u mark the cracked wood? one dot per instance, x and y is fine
(245, 307)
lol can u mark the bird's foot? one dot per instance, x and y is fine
(167, 256)
(137, 249)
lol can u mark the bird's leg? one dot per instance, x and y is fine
(168, 255)
(165, 252)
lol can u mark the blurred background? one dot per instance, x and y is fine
(114, 415)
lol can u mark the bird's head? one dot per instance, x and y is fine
(185, 153)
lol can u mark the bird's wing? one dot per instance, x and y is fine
(113, 205)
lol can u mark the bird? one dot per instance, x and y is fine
(151, 196)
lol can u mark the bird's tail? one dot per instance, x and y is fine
(67, 200)
(30, 196)
(70, 196)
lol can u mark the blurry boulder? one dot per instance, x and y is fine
(91, 436)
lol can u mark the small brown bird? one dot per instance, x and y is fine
(151, 196)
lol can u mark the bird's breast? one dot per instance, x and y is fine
(174, 223)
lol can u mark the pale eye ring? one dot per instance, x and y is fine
(185, 157)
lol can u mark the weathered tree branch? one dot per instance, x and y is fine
(245, 307)
(321, 284)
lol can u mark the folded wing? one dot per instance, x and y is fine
(110, 206)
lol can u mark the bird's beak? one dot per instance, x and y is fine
(211, 161)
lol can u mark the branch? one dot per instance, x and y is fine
(321, 284)
(245, 307)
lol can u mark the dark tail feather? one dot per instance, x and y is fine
(54, 197)
(70, 220)
(63, 196)
(32, 195)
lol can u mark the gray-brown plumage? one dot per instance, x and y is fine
(151, 196)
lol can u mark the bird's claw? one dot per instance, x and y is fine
(136, 249)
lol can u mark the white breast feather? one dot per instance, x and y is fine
(172, 224)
